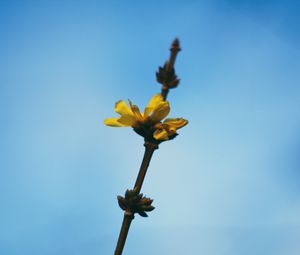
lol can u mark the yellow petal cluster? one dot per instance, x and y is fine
(148, 121)
(168, 128)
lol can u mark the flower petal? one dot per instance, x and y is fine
(136, 111)
(113, 122)
(160, 134)
(127, 120)
(153, 103)
(122, 108)
(176, 122)
(160, 112)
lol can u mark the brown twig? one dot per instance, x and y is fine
(128, 217)
(149, 150)
(166, 75)
(150, 147)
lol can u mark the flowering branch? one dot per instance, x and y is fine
(149, 125)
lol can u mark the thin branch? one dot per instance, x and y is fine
(170, 80)
(128, 215)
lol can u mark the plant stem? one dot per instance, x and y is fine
(175, 48)
(123, 233)
(128, 216)
(149, 150)
(164, 92)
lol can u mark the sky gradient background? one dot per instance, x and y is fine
(228, 184)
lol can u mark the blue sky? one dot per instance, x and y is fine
(228, 184)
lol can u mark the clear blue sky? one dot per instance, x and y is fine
(233, 172)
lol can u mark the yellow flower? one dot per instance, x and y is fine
(148, 124)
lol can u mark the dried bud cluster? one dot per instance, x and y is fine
(167, 77)
(133, 202)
